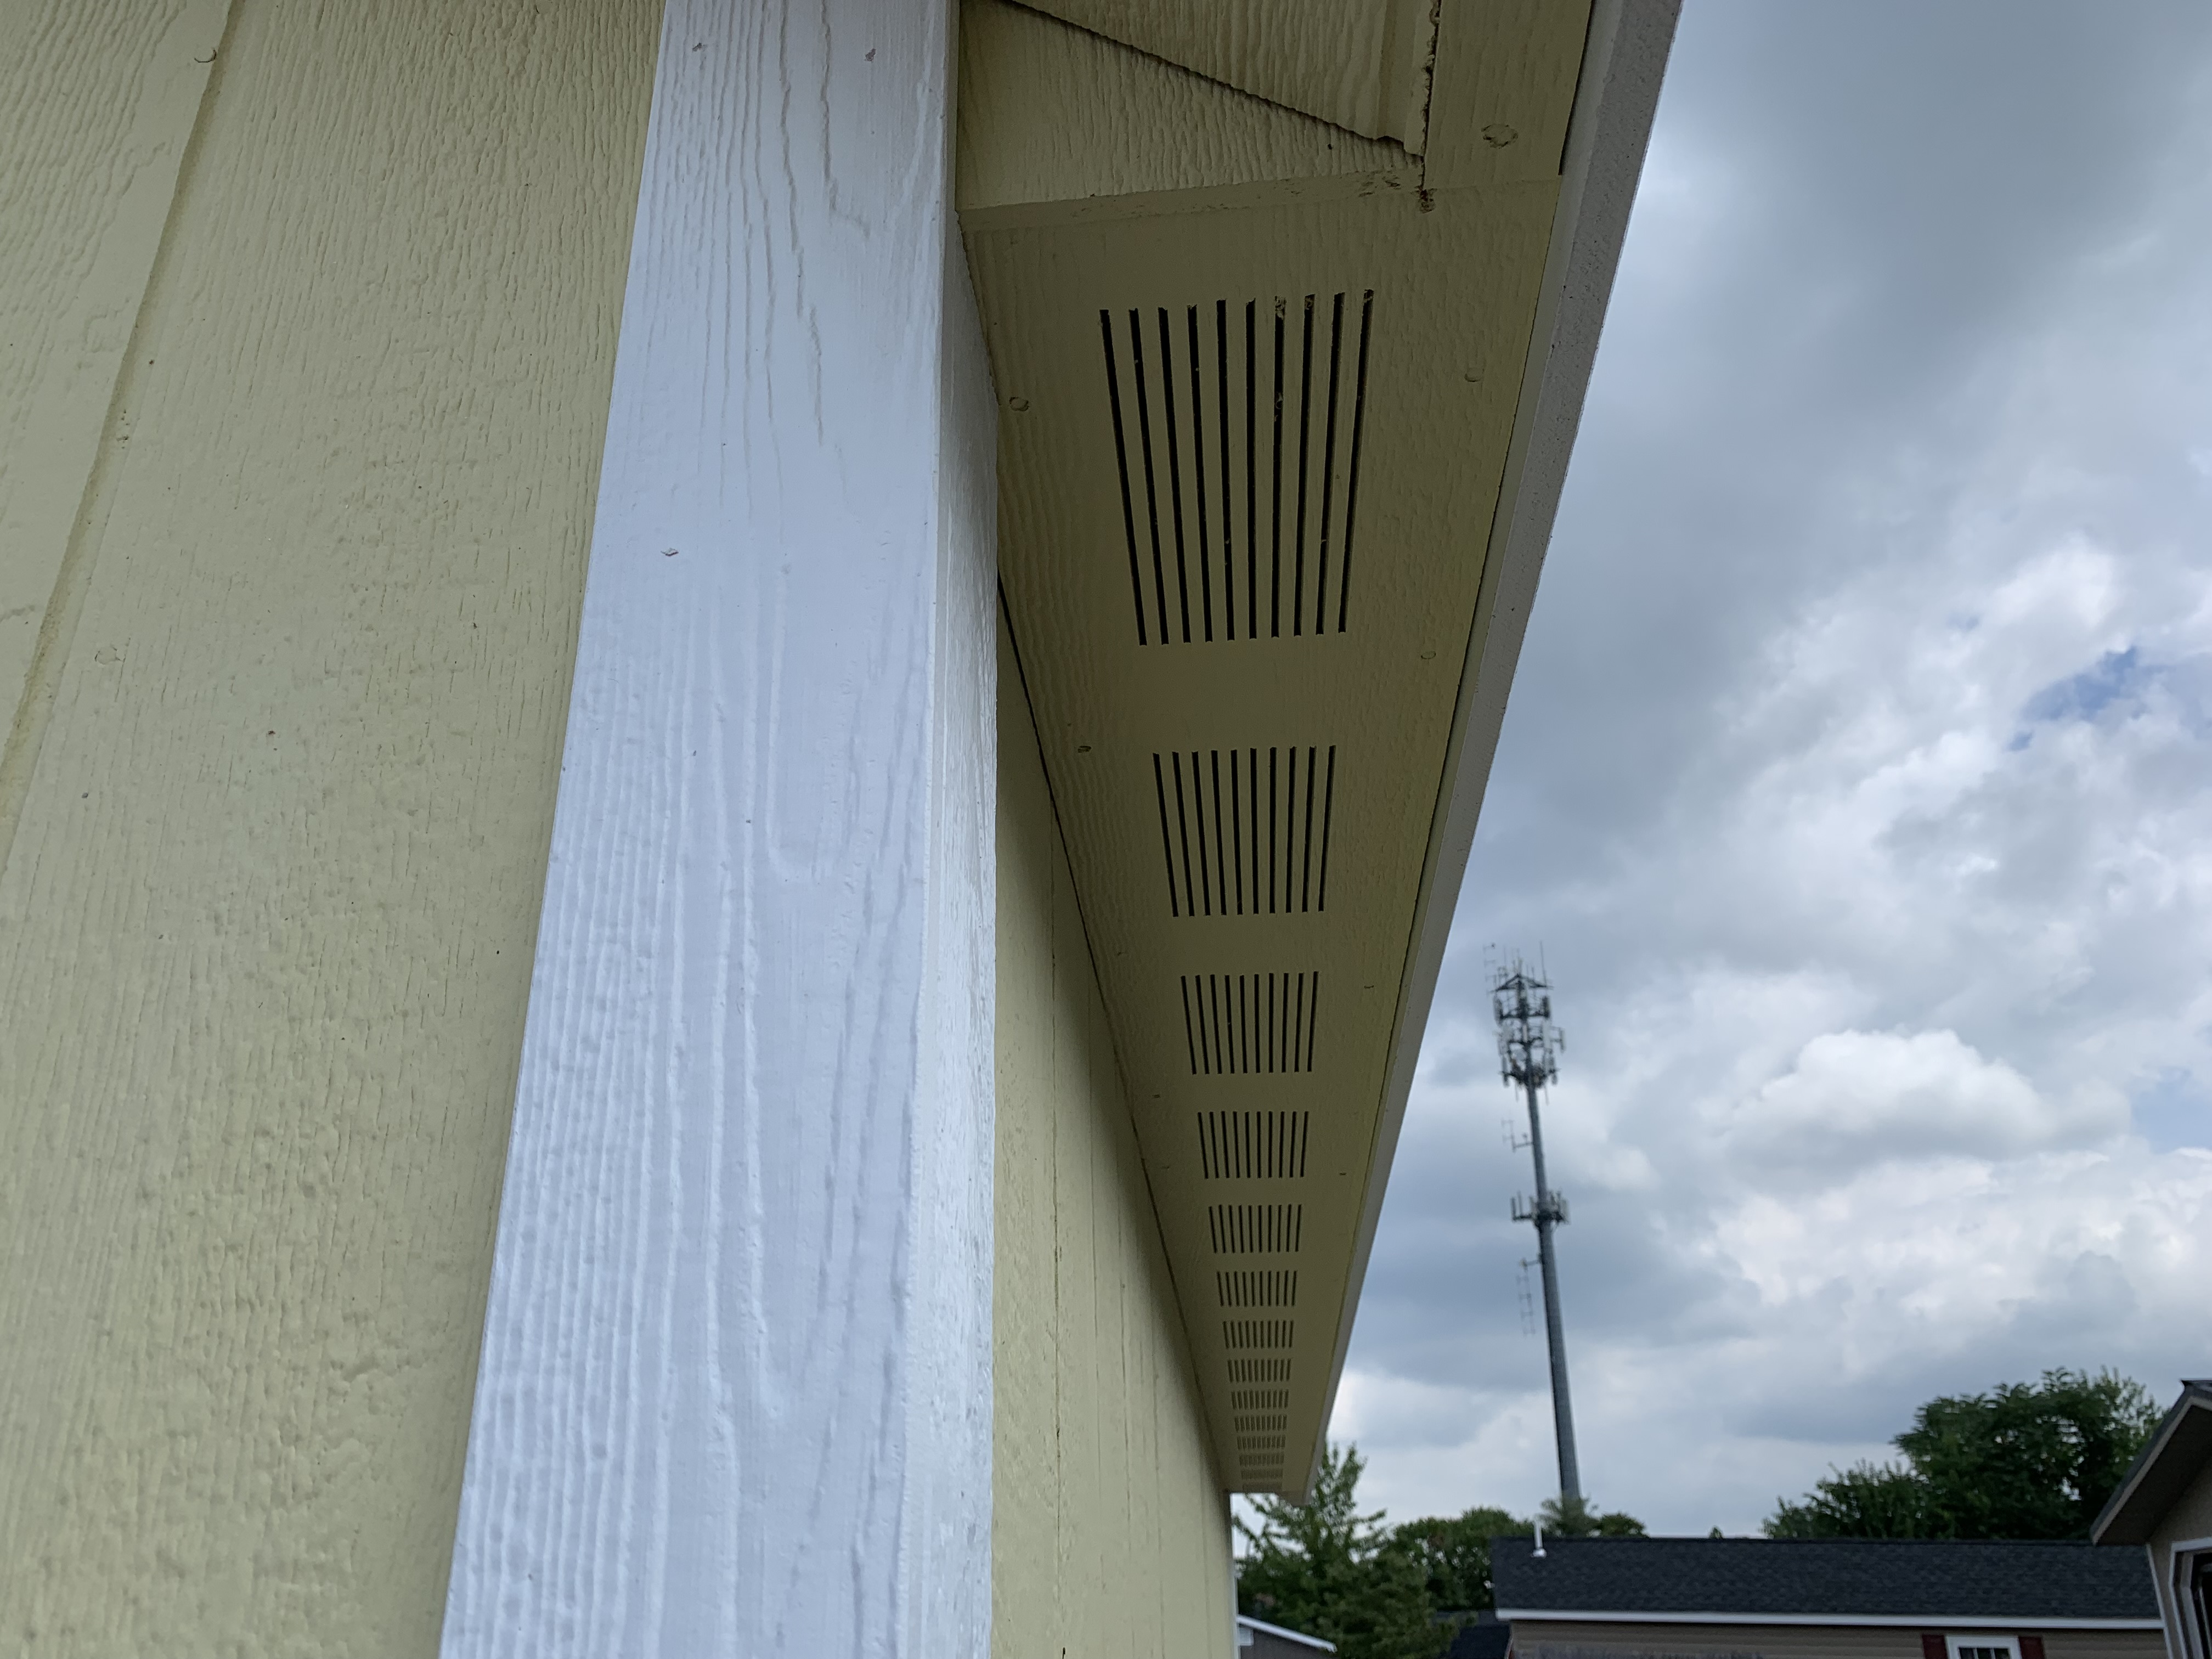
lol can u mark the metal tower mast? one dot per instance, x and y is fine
(1528, 1047)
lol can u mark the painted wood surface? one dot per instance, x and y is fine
(97, 102)
(736, 1390)
(1421, 309)
(1110, 1533)
(1049, 113)
(1359, 64)
(1197, 375)
(1504, 89)
(269, 909)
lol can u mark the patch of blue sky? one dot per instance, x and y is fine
(2116, 676)
(2175, 1110)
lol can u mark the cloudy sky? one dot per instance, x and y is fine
(1857, 783)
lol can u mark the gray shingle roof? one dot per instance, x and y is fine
(1841, 1577)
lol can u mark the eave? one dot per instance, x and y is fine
(1437, 317)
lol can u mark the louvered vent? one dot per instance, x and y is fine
(1266, 1288)
(1253, 1443)
(1236, 438)
(1259, 1371)
(1276, 1421)
(1249, 1022)
(1256, 1332)
(1252, 1146)
(1260, 1399)
(1246, 830)
(1254, 1229)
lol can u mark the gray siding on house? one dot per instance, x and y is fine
(1575, 1639)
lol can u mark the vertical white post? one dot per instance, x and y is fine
(735, 1393)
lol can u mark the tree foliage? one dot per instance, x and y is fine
(1454, 1554)
(2027, 1460)
(1573, 1517)
(1327, 1570)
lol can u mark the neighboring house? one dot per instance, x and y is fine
(1481, 1635)
(1258, 1640)
(1825, 1598)
(2165, 1504)
(740, 737)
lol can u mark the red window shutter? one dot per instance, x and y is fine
(1931, 1646)
(2031, 1647)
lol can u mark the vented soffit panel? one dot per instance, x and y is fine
(1274, 472)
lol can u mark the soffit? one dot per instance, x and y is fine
(1253, 424)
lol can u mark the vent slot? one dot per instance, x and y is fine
(1277, 1421)
(1255, 1442)
(1245, 831)
(1259, 1399)
(1249, 1022)
(1256, 1332)
(1252, 1146)
(1264, 1288)
(1259, 1371)
(1254, 1229)
(1236, 438)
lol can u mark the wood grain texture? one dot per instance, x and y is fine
(269, 910)
(1504, 92)
(1049, 113)
(1110, 1533)
(1358, 64)
(97, 104)
(736, 1390)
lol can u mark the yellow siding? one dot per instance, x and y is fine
(282, 791)
(97, 98)
(1109, 1532)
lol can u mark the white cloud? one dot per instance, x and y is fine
(1857, 782)
(1854, 1098)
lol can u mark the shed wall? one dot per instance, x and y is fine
(323, 305)
(1535, 1639)
(1110, 1528)
(2190, 1518)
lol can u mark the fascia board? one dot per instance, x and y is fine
(1619, 93)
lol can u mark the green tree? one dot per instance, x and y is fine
(1325, 1569)
(1454, 1554)
(1572, 1518)
(1868, 1500)
(2027, 1460)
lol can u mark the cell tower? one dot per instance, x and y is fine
(1528, 1048)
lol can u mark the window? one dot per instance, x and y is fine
(1982, 1647)
(2192, 1586)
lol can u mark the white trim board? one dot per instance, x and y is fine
(735, 1394)
(1978, 1622)
(1246, 1622)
